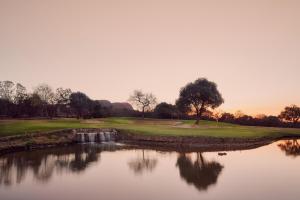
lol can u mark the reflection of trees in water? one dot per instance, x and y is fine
(140, 165)
(290, 147)
(200, 173)
(42, 164)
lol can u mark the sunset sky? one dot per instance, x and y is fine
(107, 49)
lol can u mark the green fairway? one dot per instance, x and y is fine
(146, 127)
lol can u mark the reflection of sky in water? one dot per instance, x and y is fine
(107, 173)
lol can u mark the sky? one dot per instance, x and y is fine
(107, 49)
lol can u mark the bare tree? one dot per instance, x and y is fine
(7, 90)
(62, 100)
(143, 101)
(45, 92)
(62, 96)
(140, 165)
(21, 94)
(239, 114)
(217, 114)
(47, 96)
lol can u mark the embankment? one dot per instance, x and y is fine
(175, 143)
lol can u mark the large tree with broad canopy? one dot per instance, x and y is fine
(291, 113)
(199, 96)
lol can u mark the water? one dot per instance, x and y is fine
(105, 171)
(95, 137)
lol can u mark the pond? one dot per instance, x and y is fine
(108, 171)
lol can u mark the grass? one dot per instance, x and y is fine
(146, 127)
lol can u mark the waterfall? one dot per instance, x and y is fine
(95, 137)
(91, 137)
(107, 136)
(102, 137)
(81, 137)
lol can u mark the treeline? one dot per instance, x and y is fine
(289, 117)
(44, 102)
(199, 100)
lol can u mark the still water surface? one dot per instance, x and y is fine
(113, 172)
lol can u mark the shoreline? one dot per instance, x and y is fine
(65, 137)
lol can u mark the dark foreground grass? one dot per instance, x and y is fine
(146, 127)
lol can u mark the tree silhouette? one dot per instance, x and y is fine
(199, 96)
(290, 147)
(81, 104)
(144, 101)
(140, 165)
(200, 173)
(166, 111)
(291, 113)
(43, 163)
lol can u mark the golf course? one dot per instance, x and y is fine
(149, 127)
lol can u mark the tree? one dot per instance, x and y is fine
(144, 102)
(291, 147)
(81, 104)
(43, 164)
(245, 120)
(199, 96)
(165, 110)
(21, 94)
(267, 121)
(5, 105)
(19, 100)
(62, 96)
(7, 90)
(227, 117)
(200, 173)
(217, 115)
(142, 164)
(291, 113)
(239, 114)
(97, 110)
(260, 116)
(62, 99)
(207, 115)
(33, 105)
(45, 92)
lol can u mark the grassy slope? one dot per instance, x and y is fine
(148, 127)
